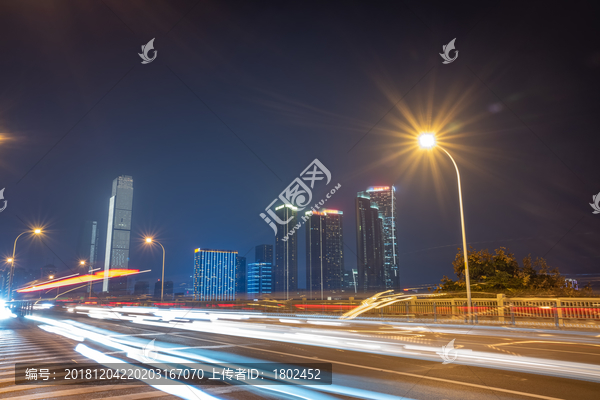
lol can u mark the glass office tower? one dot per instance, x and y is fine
(324, 252)
(285, 275)
(369, 244)
(385, 198)
(118, 234)
(263, 253)
(214, 274)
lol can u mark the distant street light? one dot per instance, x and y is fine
(427, 141)
(82, 263)
(11, 260)
(162, 281)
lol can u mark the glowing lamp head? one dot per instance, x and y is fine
(51, 276)
(81, 262)
(9, 260)
(37, 231)
(148, 240)
(427, 140)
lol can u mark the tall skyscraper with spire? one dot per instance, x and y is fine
(385, 198)
(118, 234)
(324, 253)
(285, 275)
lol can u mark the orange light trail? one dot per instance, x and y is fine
(113, 273)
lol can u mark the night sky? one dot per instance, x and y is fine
(244, 95)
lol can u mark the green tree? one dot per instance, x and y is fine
(501, 272)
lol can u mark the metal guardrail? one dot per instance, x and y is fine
(558, 312)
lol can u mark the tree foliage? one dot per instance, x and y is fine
(500, 272)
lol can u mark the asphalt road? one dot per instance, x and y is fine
(356, 374)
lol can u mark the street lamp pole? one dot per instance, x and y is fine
(464, 236)
(427, 141)
(12, 262)
(162, 281)
(82, 263)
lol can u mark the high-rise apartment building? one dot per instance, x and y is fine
(324, 252)
(369, 244)
(385, 198)
(214, 274)
(286, 253)
(118, 234)
(263, 253)
(260, 278)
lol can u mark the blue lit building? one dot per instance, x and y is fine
(214, 274)
(260, 278)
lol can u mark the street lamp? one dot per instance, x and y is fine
(162, 281)
(82, 263)
(427, 141)
(11, 260)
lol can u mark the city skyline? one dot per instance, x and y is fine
(240, 200)
(525, 186)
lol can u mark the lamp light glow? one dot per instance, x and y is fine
(148, 240)
(37, 231)
(427, 140)
(9, 260)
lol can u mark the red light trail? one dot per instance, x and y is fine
(113, 273)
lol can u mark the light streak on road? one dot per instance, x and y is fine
(133, 348)
(377, 301)
(184, 391)
(343, 339)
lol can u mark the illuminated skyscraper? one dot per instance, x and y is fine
(369, 244)
(285, 275)
(385, 197)
(118, 232)
(324, 252)
(214, 274)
